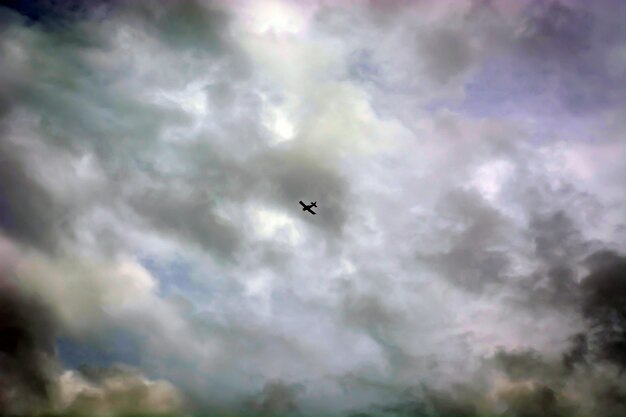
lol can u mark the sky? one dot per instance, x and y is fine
(468, 254)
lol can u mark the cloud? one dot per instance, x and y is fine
(298, 175)
(558, 52)
(26, 352)
(29, 212)
(276, 398)
(118, 390)
(448, 54)
(34, 314)
(603, 294)
(465, 253)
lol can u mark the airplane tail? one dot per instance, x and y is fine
(314, 204)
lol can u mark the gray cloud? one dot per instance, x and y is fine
(80, 112)
(190, 216)
(276, 398)
(28, 212)
(552, 30)
(565, 48)
(556, 239)
(448, 54)
(295, 175)
(475, 258)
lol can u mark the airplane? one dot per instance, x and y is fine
(308, 208)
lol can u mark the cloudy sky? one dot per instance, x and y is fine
(468, 254)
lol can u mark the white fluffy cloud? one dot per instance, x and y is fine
(114, 391)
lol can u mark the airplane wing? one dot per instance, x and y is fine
(311, 211)
(302, 204)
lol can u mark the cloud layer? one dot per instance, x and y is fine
(468, 251)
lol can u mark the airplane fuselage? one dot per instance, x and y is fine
(307, 207)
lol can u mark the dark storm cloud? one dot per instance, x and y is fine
(604, 305)
(27, 352)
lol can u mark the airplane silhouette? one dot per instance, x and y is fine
(308, 208)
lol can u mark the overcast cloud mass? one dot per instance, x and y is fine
(468, 255)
